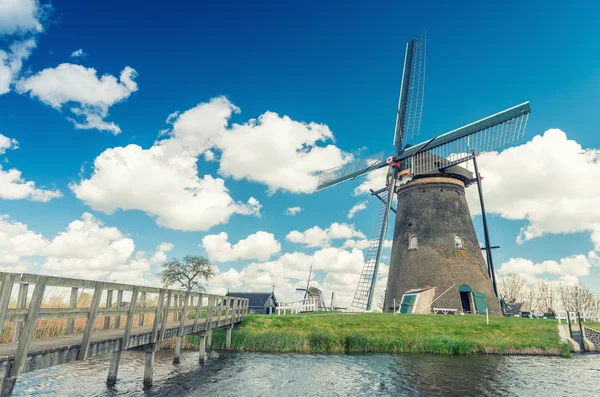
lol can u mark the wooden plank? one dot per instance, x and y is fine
(143, 305)
(5, 291)
(129, 322)
(157, 316)
(165, 316)
(21, 303)
(183, 315)
(81, 283)
(119, 305)
(109, 296)
(72, 305)
(209, 313)
(198, 311)
(28, 327)
(89, 326)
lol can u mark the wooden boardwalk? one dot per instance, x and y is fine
(191, 313)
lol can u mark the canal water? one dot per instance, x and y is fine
(261, 374)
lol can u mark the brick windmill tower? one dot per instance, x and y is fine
(436, 262)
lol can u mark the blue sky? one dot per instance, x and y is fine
(335, 65)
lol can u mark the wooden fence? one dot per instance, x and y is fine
(131, 315)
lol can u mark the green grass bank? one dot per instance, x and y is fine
(386, 333)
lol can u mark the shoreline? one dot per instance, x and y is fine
(387, 334)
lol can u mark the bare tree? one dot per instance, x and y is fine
(189, 273)
(546, 297)
(512, 288)
(576, 297)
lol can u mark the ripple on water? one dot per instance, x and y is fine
(261, 374)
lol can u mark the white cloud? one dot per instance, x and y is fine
(86, 249)
(362, 244)
(13, 186)
(19, 26)
(163, 180)
(293, 211)
(294, 153)
(361, 205)
(567, 269)
(549, 182)
(11, 62)
(19, 17)
(317, 237)
(260, 246)
(84, 94)
(78, 53)
(161, 183)
(374, 180)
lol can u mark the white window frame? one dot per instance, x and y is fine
(414, 304)
(410, 247)
(458, 240)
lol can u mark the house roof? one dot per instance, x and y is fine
(254, 298)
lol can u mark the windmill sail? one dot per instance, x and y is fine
(410, 104)
(363, 296)
(488, 134)
(350, 170)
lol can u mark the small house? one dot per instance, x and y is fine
(258, 302)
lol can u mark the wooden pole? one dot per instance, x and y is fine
(20, 359)
(163, 327)
(5, 291)
(119, 306)
(109, 296)
(177, 358)
(113, 370)
(228, 338)
(142, 305)
(21, 303)
(91, 320)
(202, 347)
(72, 305)
(151, 347)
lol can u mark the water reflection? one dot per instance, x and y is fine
(257, 374)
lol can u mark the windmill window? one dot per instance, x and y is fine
(458, 242)
(412, 243)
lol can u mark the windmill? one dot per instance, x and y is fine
(429, 184)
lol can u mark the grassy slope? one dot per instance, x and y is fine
(386, 333)
(594, 326)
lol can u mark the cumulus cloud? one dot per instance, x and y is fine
(86, 249)
(361, 205)
(161, 183)
(12, 184)
(163, 179)
(291, 270)
(548, 182)
(85, 95)
(317, 237)
(374, 180)
(19, 26)
(293, 211)
(260, 246)
(294, 153)
(568, 269)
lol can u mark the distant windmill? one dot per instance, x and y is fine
(434, 247)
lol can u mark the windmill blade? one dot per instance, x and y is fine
(412, 88)
(350, 170)
(488, 134)
(363, 297)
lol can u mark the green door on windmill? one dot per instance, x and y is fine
(480, 302)
(408, 304)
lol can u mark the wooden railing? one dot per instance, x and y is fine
(305, 305)
(37, 298)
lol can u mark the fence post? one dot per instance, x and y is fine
(5, 291)
(151, 347)
(21, 303)
(177, 357)
(20, 359)
(119, 305)
(91, 321)
(109, 295)
(143, 306)
(199, 311)
(72, 305)
(163, 327)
